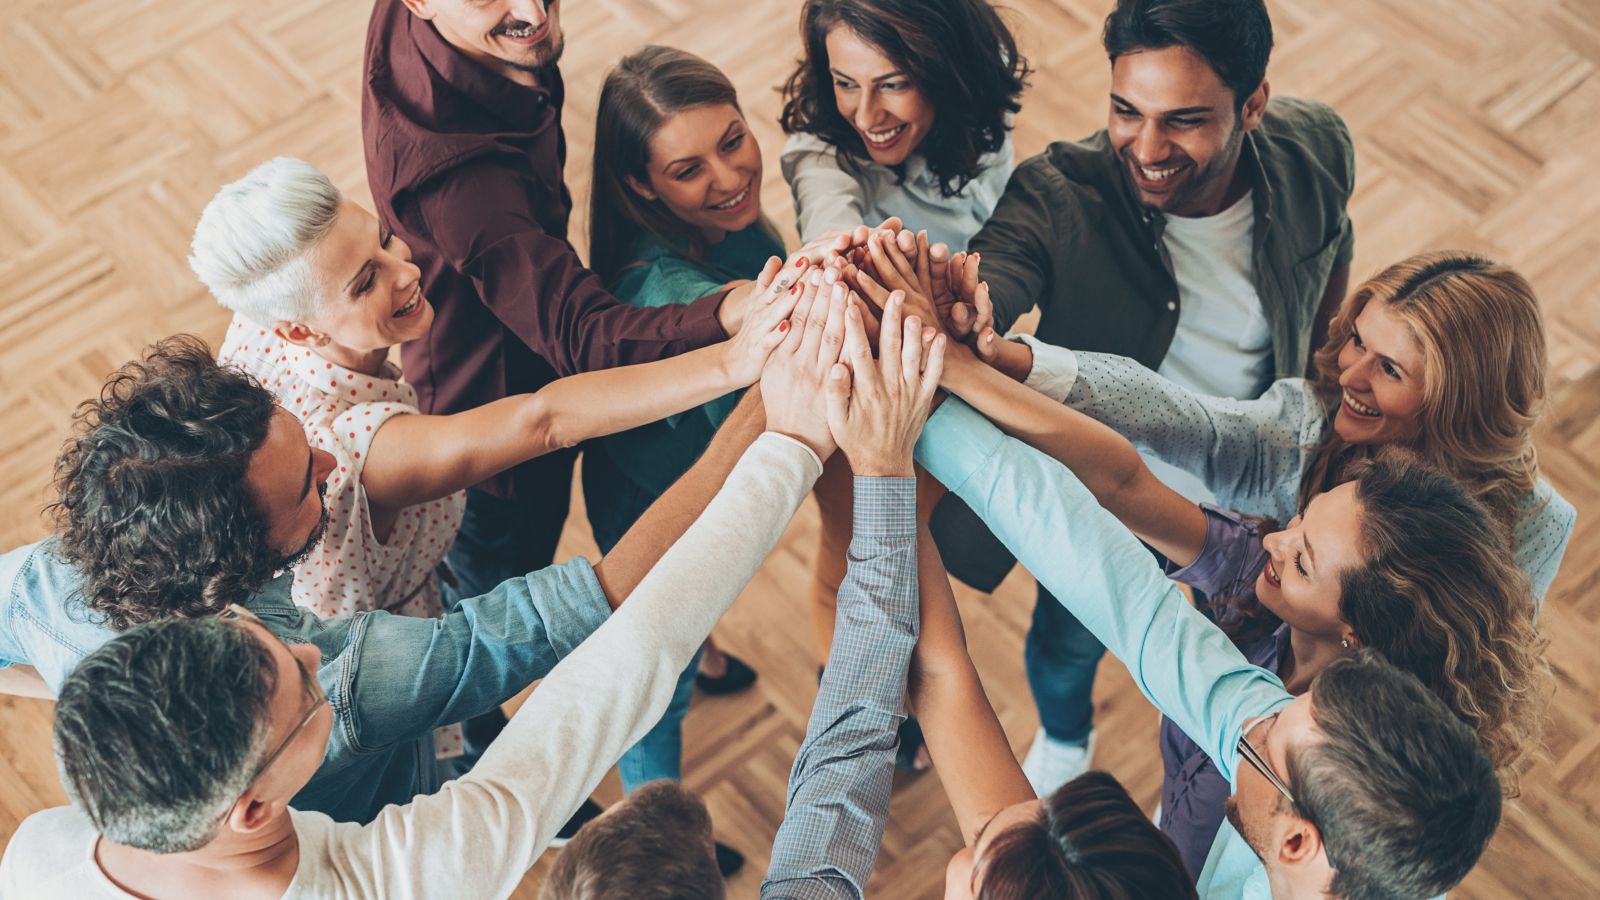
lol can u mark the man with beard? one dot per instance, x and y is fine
(461, 117)
(1203, 233)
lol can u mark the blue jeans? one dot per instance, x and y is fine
(1061, 657)
(614, 503)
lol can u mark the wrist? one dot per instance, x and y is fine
(730, 312)
(881, 465)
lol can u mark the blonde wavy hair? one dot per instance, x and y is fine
(1484, 364)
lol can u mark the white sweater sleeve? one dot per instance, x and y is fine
(481, 833)
(826, 197)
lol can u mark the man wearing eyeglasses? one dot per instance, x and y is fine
(1365, 786)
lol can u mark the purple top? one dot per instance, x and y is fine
(1192, 790)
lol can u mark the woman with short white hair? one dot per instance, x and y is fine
(321, 292)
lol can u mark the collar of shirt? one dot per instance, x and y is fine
(498, 95)
(348, 385)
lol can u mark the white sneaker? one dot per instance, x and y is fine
(1051, 763)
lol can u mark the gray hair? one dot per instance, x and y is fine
(158, 731)
(253, 242)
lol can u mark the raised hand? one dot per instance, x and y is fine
(792, 382)
(774, 299)
(775, 279)
(876, 407)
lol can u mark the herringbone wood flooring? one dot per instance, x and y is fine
(1477, 124)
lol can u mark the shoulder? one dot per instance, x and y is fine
(663, 278)
(1070, 176)
(1547, 512)
(48, 854)
(1306, 139)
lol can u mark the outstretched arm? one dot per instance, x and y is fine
(979, 772)
(1104, 460)
(839, 786)
(417, 458)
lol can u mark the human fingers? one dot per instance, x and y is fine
(910, 350)
(900, 257)
(806, 294)
(932, 370)
(833, 332)
(969, 274)
(816, 321)
(961, 319)
(837, 396)
(983, 307)
(986, 346)
(869, 320)
(892, 223)
(768, 274)
(868, 285)
(924, 265)
(857, 345)
(890, 334)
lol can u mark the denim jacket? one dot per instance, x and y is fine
(390, 679)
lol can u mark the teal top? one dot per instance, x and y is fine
(654, 455)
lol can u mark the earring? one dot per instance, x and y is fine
(1345, 643)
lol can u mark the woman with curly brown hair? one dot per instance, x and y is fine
(884, 122)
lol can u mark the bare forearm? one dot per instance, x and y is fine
(671, 515)
(979, 771)
(417, 458)
(1105, 461)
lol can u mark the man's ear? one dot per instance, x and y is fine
(250, 813)
(639, 187)
(422, 9)
(1301, 844)
(1255, 105)
(300, 334)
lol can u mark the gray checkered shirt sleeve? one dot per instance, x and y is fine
(839, 786)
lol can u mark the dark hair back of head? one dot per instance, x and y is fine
(156, 729)
(153, 507)
(1402, 792)
(644, 88)
(1233, 36)
(655, 845)
(958, 53)
(1091, 842)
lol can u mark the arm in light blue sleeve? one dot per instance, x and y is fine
(412, 675)
(1099, 571)
(839, 786)
(1250, 453)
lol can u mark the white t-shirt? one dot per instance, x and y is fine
(1223, 345)
(480, 833)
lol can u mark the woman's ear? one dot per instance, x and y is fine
(1348, 639)
(639, 187)
(300, 334)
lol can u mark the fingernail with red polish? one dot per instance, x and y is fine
(783, 326)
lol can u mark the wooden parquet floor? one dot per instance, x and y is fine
(1477, 124)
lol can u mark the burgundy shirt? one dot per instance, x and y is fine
(1193, 792)
(465, 166)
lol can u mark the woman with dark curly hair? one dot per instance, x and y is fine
(885, 122)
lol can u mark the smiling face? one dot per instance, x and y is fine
(1306, 562)
(963, 875)
(371, 291)
(288, 478)
(705, 167)
(876, 97)
(1174, 127)
(512, 37)
(1381, 377)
